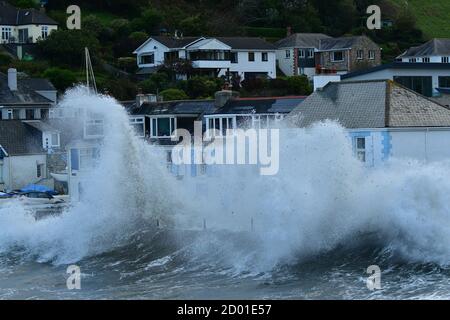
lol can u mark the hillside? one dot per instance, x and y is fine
(432, 16)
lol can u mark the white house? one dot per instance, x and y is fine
(243, 57)
(23, 158)
(433, 51)
(20, 26)
(384, 120)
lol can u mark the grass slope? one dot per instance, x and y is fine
(433, 16)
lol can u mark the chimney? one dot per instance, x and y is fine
(42, 9)
(288, 31)
(12, 79)
(222, 97)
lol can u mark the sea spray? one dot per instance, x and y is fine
(322, 198)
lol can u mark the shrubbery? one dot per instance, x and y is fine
(173, 94)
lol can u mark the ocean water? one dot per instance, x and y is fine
(317, 226)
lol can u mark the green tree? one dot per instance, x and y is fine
(61, 78)
(67, 46)
(173, 94)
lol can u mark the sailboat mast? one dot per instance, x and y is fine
(89, 71)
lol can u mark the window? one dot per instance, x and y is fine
(360, 149)
(422, 85)
(371, 55)
(147, 58)
(44, 32)
(301, 54)
(360, 54)
(219, 124)
(310, 53)
(93, 128)
(44, 114)
(9, 114)
(234, 57)
(264, 56)
(413, 60)
(54, 139)
(16, 114)
(138, 126)
(426, 60)
(288, 54)
(445, 59)
(337, 56)
(39, 170)
(162, 127)
(251, 56)
(29, 114)
(87, 158)
(444, 82)
(6, 33)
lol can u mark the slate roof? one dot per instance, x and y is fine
(175, 43)
(19, 138)
(260, 105)
(339, 43)
(196, 107)
(9, 15)
(25, 94)
(370, 104)
(247, 43)
(434, 47)
(38, 84)
(302, 40)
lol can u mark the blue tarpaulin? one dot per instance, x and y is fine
(39, 188)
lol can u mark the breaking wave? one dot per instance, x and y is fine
(322, 199)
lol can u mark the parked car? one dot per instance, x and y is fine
(36, 197)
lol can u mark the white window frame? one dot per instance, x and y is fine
(301, 53)
(145, 55)
(287, 54)
(40, 170)
(371, 54)
(10, 114)
(44, 32)
(333, 56)
(58, 139)
(6, 33)
(360, 54)
(95, 122)
(412, 60)
(445, 59)
(310, 53)
(172, 126)
(262, 56)
(134, 121)
(361, 153)
(426, 60)
(230, 124)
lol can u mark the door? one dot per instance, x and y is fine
(23, 35)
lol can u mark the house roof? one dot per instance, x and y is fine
(398, 65)
(247, 43)
(261, 105)
(38, 84)
(19, 138)
(370, 104)
(434, 47)
(175, 43)
(10, 15)
(196, 107)
(302, 40)
(341, 43)
(25, 94)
